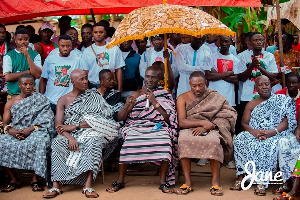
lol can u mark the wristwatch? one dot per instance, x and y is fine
(77, 126)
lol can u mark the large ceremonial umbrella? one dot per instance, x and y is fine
(18, 10)
(166, 18)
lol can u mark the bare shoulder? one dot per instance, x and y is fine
(13, 101)
(62, 100)
(252, 104)
(185, 97)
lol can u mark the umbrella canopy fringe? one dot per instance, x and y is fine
(171, 30)
(124, 39)
(192, 33)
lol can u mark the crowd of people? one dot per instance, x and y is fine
(71, 104)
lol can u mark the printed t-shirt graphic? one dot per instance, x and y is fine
(104, 59)
(62, 76)
(224, 65)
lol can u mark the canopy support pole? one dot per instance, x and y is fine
(280, 42)
(93, 16)
(166, 64)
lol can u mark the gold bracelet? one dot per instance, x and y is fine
(156, 106)
(7, 128)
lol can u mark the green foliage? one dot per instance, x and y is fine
(247, 17)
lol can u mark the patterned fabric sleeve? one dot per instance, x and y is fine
(291, 113)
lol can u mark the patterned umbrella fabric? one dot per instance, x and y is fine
(166, 18)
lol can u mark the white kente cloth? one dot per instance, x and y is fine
(69, 167)
(289, 151)
(264, 153)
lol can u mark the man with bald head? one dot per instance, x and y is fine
(266, 120)
(84, 123)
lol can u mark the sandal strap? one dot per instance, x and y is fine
(166, 185)
(261, 187)
(215, 187)
(237, 183)
(54, 190)
(186, 187)
(115, 184)
(90, 190)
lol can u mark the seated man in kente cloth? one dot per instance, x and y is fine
(29, 123)
(112, 96)
(149, 132)
(85, 124)
(207, 120)
(266, 120)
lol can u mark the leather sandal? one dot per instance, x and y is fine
(115, 187)
(184, 190)
(237, 186)
(90, 195)
(165, 188)
(280, 190)
(55, 192)
(284, 196)
(36, 187)
(11, 187)
(260, 190)
(215, 190)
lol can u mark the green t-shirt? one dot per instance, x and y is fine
(19, 64)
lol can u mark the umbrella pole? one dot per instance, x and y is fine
(93, 16)
(166, 64)
(280, 41)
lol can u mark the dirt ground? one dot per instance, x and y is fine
(142, 184)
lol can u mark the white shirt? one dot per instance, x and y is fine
(173, 55)
(148, 58)
(188, 61)
(213, 47)
(110, 59)
(248, 85)
(59, 84)
(223, 87)
(75, 52)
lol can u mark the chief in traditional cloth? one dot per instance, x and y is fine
(29, 123)
(266, 120)
(85, 126)
(206, 130)
(149, 132)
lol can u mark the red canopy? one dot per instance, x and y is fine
(18, 10)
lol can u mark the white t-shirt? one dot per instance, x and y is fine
(110, 59)
(188, 61)
(248, 85)
(57, 71)
(224, 63)
(148, 58)
(75, 52)
(213, 47)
